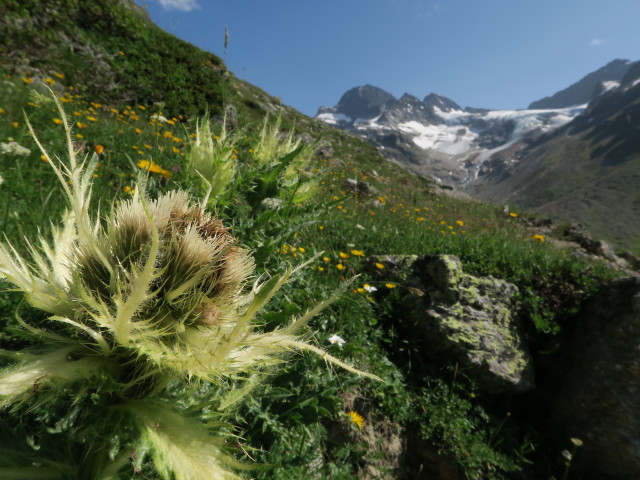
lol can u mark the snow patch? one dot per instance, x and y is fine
(334, 118)
(609, 85)
(453, 140)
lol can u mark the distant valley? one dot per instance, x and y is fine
(574, 155)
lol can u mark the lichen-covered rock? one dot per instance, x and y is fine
(471, 319)
(599, 384)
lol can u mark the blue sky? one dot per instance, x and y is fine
(480, 53)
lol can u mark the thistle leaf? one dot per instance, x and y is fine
(181, 447)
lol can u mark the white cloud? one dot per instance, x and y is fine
(596, 41)
(184, 5)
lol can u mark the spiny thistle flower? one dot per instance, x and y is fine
(285, 162)
(153, 294)
(213, 156)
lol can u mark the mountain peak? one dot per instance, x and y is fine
(443, 103)
(363, 101)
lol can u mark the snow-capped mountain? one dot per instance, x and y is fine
(437, 138)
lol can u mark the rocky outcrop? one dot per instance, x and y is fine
(599, 389)
(469, 319)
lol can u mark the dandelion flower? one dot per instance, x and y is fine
(340, 267)
(390, 285)
(538, 238)
(343, 255)
(357, 253)
(379, 265)
(356, 418)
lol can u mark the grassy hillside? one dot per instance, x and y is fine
(304, 418)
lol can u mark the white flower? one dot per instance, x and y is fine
(370, 289)
(14, 148)
(333, 339)
(159, 118)
(566, 454)
(1, 180)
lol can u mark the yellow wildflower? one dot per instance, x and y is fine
(343, 255)
(27, 80)
(153, 167)
(356, 418)
(538, 237)
(390, 285)
(379, 266)
(57, 121)
(326, 259)
(99, 149)
(340, 267)
(92, 119)
(357, 253)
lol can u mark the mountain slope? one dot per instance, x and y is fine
(584, 90)
(587, 171)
